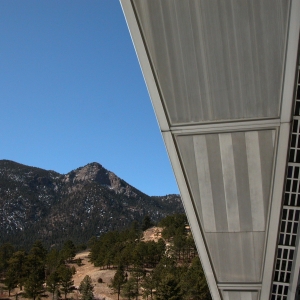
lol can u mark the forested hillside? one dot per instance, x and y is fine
(168, 268)
(162, 270)
(89, 201)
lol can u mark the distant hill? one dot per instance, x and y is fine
(40, 204)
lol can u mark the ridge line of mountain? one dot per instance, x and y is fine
(90, 200)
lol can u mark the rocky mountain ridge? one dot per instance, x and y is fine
(41, 204)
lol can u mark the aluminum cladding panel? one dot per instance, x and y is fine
(237, 256)
(229, 176)
(245, 295)
(216, 60)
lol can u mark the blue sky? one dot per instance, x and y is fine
(72, 92)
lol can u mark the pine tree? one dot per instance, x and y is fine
(38, 250)
(147, 223)
(11, 280)
(137, 274)
(166, 266)
(52, 283)
(134, 232)
(16, 268)
(6, 252)
(34, 284)
(53, 260)
(193, 283)
(34, 270)
(168, 289)
(126, 256)
(65, 275)
(118, 281)
(68, 251)
(129, 289)
(86, 288)
(148, 285)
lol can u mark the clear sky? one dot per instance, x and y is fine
(72, 92)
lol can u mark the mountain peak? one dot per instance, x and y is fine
(40, 204)
(90, 172)
(97, 173)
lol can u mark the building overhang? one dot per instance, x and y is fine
(221, 77)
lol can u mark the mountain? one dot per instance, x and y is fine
(40, 204)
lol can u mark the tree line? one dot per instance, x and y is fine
(168, 269)
(165, 270)
(38, 271)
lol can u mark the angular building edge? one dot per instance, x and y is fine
(228, 290)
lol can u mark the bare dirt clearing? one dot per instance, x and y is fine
(101, 290)
(152, 234)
